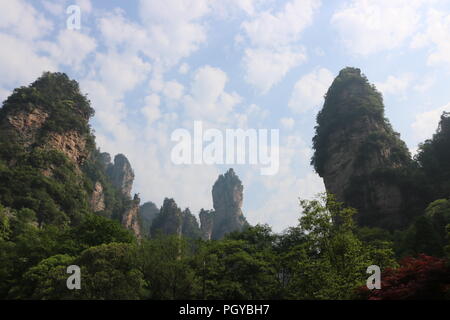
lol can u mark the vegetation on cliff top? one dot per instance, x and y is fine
(57, 95)
(433, 157)
(350, 98)
(44, 180)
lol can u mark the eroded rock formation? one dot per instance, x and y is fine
(130, 218)
(172, 221)
(169, 221)
(121, 174)
(25, 124)
(206, 223)
(44, 129)
(98, 198)
(71, 143)
(148, 212)
(357, 152)
(228, 195)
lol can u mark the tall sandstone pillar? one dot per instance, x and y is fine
(358, 154)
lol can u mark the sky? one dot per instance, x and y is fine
(150, 67)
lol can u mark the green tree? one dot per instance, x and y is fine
(47, 280)
(234, 269)
(110, 272)
(427, 235)
(95, 230)
(434, 159)
(5, 228)
(332, 262)
(164, 263)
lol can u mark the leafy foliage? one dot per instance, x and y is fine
(434, 159)
(427, 235)
(419, 278)
(59, 96)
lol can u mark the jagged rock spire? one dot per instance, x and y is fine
(357, 152)
(228, 194)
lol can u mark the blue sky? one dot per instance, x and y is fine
(150, 67)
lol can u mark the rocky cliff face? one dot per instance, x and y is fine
(25, 125)
(98, 198)
(45, 139)
(29, 129)
(169, 221)
(71, 143)
(172, 221)
(357, 152)
(226, 217)
(206, 223)
(51, 113)
(228, 195)
(434, 160)
(121, 174)
(190, 227)
(45, 132)
(148, 212)
(130, 218)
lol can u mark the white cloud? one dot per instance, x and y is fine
(396, 85)
(184, 68)
(24, 55)
(367, 27)
(426, 123)
(280, 208)
(85, 6)
(21, 26)
(208, 84)
(3, 95)
(19, 63)
(436, 37)
(173, 90)
(71, 49)
(109, 108)
(119, 33)
(232, 9)
(287, 123)
(23, 20)
(273, 37)
(58, 7)
(55, 8)
(173, 27)
(253, 116)
(266, 67)
(267, 29)
(151, 109)
(169, 30)
(121, 72)
(309, 90)
(425, 84)
(208, 99)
